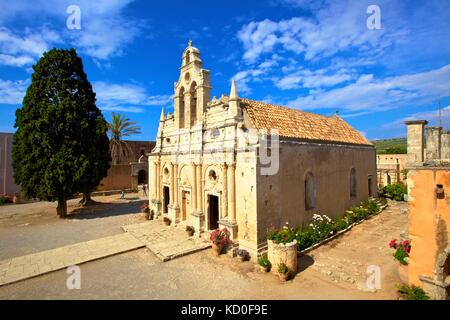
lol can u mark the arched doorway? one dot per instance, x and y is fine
(142, 177)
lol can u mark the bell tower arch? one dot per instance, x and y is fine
(192, 90)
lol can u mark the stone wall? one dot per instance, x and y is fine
(119, 177)
(7, 184)
(429, 220)
(390, 167)
(281, 197)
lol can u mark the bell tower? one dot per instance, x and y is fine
(192, 90)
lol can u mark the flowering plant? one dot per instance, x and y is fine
(283, 268)
(145, 208)
(220, 236)
(402, 250)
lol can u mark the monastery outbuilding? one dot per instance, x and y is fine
(245, 165)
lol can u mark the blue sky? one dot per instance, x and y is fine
(317, 56)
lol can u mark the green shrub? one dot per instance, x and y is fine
(322, 227)
(4, 200)
(305, 238)
(264, 262)
(400, 255)
(395, 191)
(284, 236)
(283, 268)
(340, 224)
(412, 292)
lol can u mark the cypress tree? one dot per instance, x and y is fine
(61, 146)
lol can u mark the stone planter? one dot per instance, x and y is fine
(282, 253)
(403, 273)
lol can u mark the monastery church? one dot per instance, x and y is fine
(246, 165)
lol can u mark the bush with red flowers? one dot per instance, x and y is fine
(402, 250)
(145, 208)
(220, 237)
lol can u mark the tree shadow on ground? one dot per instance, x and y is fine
(304, 262)
(109, 209)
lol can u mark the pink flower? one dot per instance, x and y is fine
(393, 243)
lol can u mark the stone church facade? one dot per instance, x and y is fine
(246, 165)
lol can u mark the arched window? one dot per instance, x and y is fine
(310, 191)
(353, 183)
(188, 57)
(181, 108)
(193, 103)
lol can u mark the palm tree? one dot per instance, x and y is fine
(120, 127)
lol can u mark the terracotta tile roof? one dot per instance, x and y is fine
(293, 123)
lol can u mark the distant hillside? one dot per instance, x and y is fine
(390, 146)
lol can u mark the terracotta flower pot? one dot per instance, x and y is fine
(403, 273)
(190, 233)
(217, 248)
(283, 276)
(264, 269)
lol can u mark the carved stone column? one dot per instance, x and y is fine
(198, 217)
(232, 192)
(224, 192)
(155, 180)
(172, 183)
(194, 188)
(199, 188)
(155, 204)
(231, 223)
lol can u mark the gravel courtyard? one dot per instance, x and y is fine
(336, 270)
(33, 227)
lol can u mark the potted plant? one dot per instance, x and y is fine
(167, 221)
(146, 211)
(264, 264)
(243, 255)
(283, 272)
(219, 239)
(401, 254)
(190, 231)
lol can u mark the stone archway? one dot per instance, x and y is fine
(142, 177)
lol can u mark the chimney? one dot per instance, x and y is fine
(433, 138)
(416, 140)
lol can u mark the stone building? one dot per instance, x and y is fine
(391, 168)
(7, 185)
(245, 165)
(429, 208)
(132, 171)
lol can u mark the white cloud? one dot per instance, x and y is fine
(122, 97)
(306, 78)
(105, 30)
(23, 49)
(338, 27)
(371, 94)
(12, 92)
